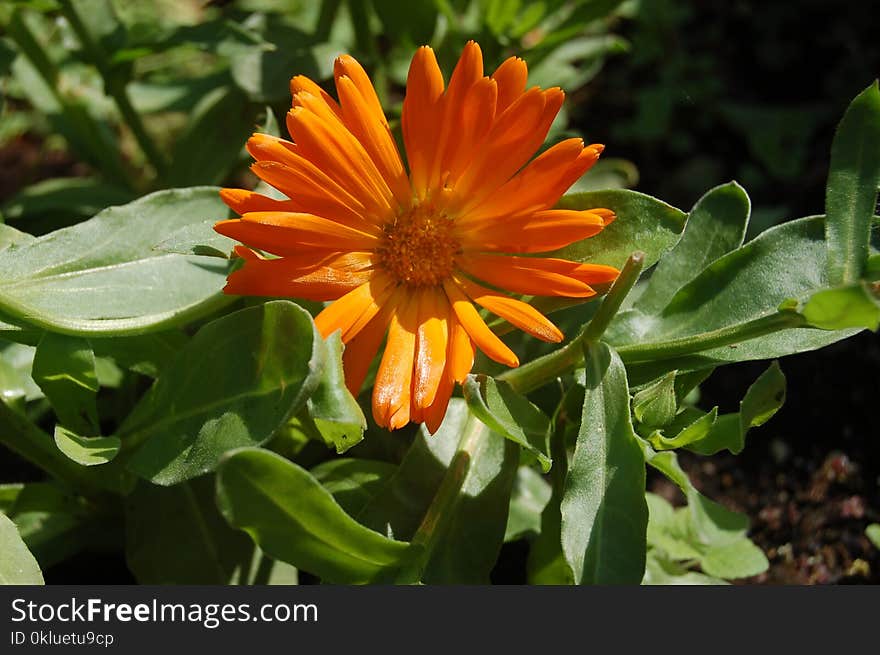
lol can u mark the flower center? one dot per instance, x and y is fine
(418, 249)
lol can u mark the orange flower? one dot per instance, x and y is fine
(401, 253)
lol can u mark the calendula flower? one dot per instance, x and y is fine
(409, 254)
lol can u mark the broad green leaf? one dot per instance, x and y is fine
(294, 519)
(762, 400)
(713, 523)
(400, 505)
(853, 306)
(12, 238)
(656, 405)
(873, 533)
(17, 566)
(88, 451)
(103, 278)
(177, 536)
(353, 482)
(234, 384)
(784, 262)
(530, 496)
(220, 123)
(738, 559)
(64, 368)
(72, 196)
(474, 528)
(332, 414)
(604, 516)
(54, 523)
(147, 354)
(197, 239)
(509, 414)
(661, 570)
(643, 223)
(851, 194)
(715, 226)
(672, 531)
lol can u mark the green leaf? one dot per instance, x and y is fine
(851, 194)
(399, 506)
(604, 515)
(332, 414)
(688, 427)
(608, 173)
(147, 354)
(509, 414)
(852, 306)
(79, 197)
(738, 559)
(64, 368)
(17, 566)
(16, 382)
(469, 542)
(177, 536)
(784, 262)
(762, 400)
(643, 223)
(234, 384)
(530, 496)
(103, 278)
(716, 225)
(208, 149)
(88, 451)
(661, 570)
(656, 405)
(873, 533)
(353, 482)
(197, 239)
(10, 237)
(294, 519)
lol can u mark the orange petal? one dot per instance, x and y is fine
(431, 340)
(515, 136)
(511, 76)
(284, 278)
(433, 415)
(518, 313)
(347, 66)
(468, 71)
(356, 308)
(538, 232)
(530, 275)
(286, 233)
(323, 140)
(538, 186)
(242, 201)
(475, 115)
(375, 137)
(461, 350)
(302, 84)
(476, 327)
(314, 191)
(361, 350)
(421, 115)
(391, 392)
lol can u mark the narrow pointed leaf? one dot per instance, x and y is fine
(604, 515)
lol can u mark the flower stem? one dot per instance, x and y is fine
(716, 338)
(540, 371)
(116, 88)
(447, 496)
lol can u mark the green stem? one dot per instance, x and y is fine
(27, 440)
(709, 340)
(539, 372)
(440, 511)
(116, 88)
(616, 294)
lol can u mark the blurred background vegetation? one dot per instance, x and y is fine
(103, 100)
